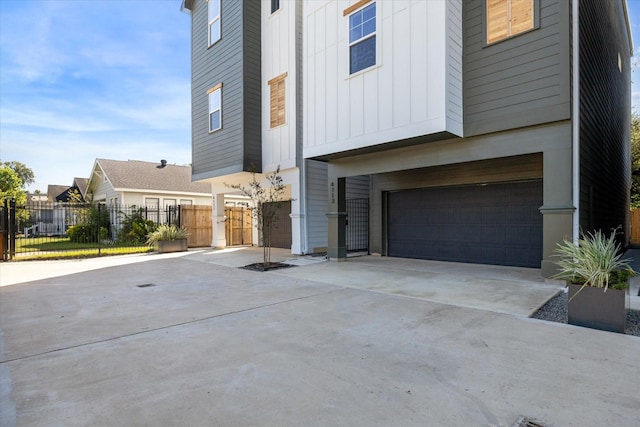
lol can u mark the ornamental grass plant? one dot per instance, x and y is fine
(166, 232)
(595, 261)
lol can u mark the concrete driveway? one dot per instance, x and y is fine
(189, 339)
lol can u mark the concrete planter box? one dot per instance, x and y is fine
(164, 246)
(594, 308)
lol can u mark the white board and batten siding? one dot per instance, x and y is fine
(414, 89)
(279, 57)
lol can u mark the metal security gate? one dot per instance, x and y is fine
(357, 230)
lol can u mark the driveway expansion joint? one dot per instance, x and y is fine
(190, 322)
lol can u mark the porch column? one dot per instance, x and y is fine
(219, 238)
(297, 218)
(337, 219)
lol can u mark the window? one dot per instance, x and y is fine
(277, 95)
(186, 202)
(507, 18)
(215, 107)
(152, 209)
(275, 5)
(214, 21)
(362, 36)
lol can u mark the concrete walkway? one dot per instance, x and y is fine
(188, 339)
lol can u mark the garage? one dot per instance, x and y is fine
(497, 223)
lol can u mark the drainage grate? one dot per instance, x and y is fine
(146, 285)
(528, 422)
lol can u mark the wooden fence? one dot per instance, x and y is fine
(197, 219)
(635, 226)
(238, 228)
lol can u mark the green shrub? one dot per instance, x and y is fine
(79, 234)
(135, 228)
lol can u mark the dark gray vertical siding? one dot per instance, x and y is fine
(252, 91)
(233, 61)
(317, 201)
(518, 82)
(605, 170)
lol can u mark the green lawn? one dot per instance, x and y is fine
(61, 247)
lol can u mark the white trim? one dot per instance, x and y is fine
(363, 38)
(217, 92)
(211, 22)
(168, 192)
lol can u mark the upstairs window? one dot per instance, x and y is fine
(214, 21)
(362, 36)
(275, 5)
(215, 108)
(277, 98)
(507, 18)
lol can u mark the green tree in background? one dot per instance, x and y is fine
(635, 159)
(11, 186)
(25, 174)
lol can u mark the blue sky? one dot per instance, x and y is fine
(87, 79)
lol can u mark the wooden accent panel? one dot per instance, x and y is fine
(497, 20)
(213, 89)
(635, 226)
(238, 227)
(506, 18)
(355, 6)
(277, 101)
(521, 16)
(197, 219)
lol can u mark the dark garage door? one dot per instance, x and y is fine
(487, 224)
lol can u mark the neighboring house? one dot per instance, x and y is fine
(53, 214)
(481, 131)
(73, 194)
(145, 184)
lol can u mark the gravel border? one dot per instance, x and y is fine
(555, 310)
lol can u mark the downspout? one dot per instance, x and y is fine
(300, 160)
(575, 122)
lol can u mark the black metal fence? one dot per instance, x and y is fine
(48, 228)
(357, 232)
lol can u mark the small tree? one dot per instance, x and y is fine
(266, 201)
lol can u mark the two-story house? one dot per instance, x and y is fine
(481, 131)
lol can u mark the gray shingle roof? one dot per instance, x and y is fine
(135, 174)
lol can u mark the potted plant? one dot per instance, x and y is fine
(598, 281)
(168, 238)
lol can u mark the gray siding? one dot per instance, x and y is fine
(233, 61)
(605, 166)
(317, 199)
(521, 81)
(357, 187)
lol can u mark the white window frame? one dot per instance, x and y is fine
(349, 12)
(213, 19)
(212, 93)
